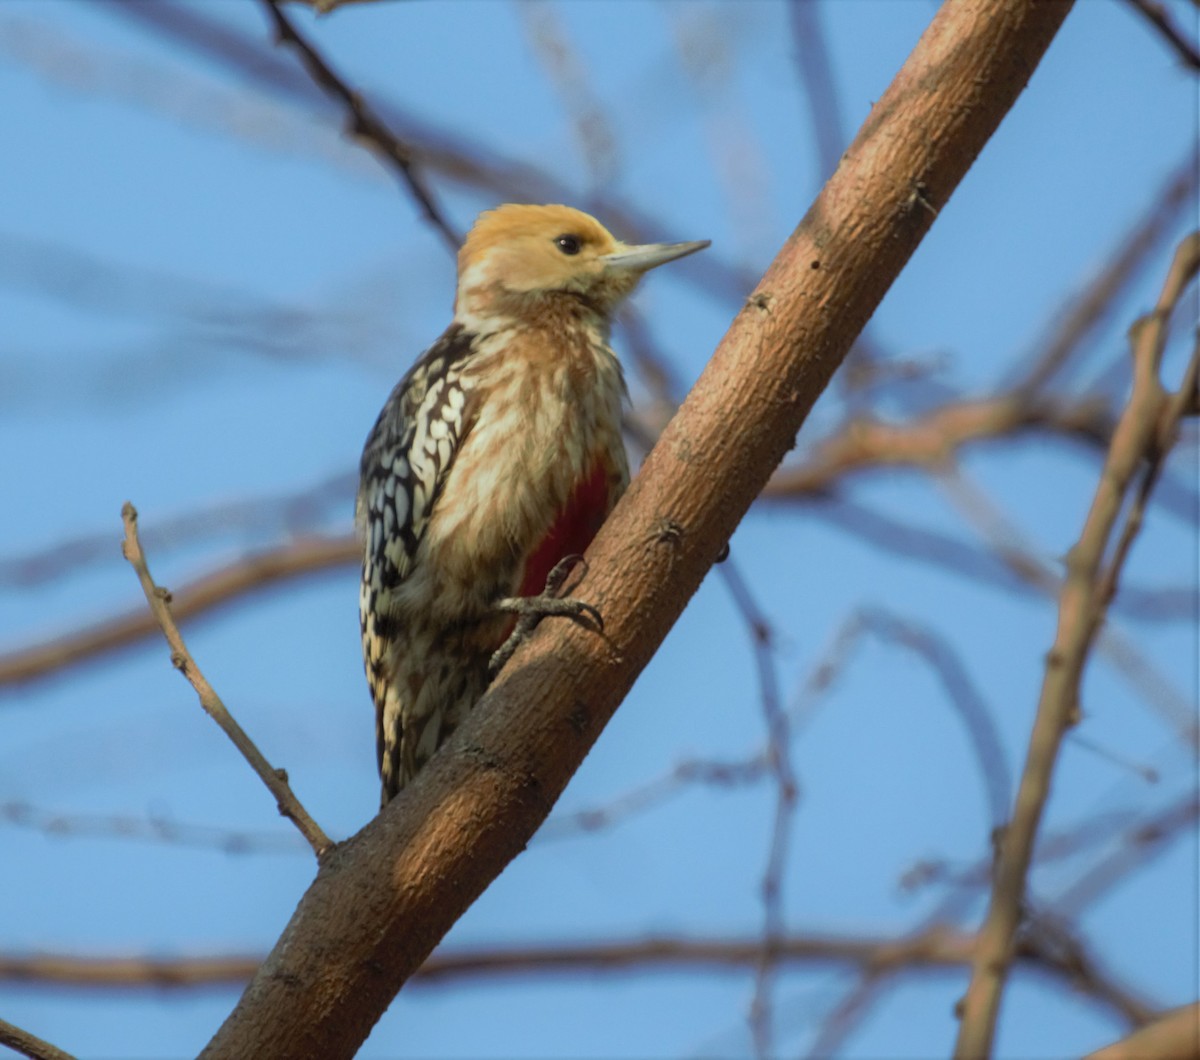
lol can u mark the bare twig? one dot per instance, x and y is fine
(811, 60)
(1093, 305)
(1081, 610)
(363, 123)
(930, 649)
(30, 1045)
(938, 654)
(1054, 847)
(1175, 1034)
(253, 573)
(778, 760)
(848, 1013)
(1051, 948)
(1156, 14)
(566, 70)
(1057, 945)
(925, 545)
(296, 514)
(275, 779)
(934, 948)
(967, 701)
(324, 7)
(1174, 409)
(147, 829)
(866, 443)
(1136, 849)
(1020, 556)
(655, 792)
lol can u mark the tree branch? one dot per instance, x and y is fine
(225, 585)
(934, 948)
(275, 779)
(362, 122)
(1085, 594)
(1156, 14)
(929, 441)
(29, 1044)
(1175, 1035)
(1082, 315)
(382, 900)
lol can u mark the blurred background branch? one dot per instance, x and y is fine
(797, 808)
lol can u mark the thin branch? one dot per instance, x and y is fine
(565, 68)
(968, 703)
(777, 758)
(324, 7)
(362, 122)
(931, 949)
(29, 1044)
(254, 573)
(147, 829)
(1176, 1034)
(815, 71)
(1049, 946)
(275, 779)
(1156, 14)
(1081, 610)
(123, 972)
(1138, 847)
(847, 1014)
(891, 629)
(1020, 556)
(1057, 945)
(294, 514)
(950, 553)
(653, 793)
(866, 443)
(1172, 413)
(1091, 307)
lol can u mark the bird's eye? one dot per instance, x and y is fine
(569, 244)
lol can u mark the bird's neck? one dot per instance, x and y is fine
(550, 312)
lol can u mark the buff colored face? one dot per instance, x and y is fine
(527, 249)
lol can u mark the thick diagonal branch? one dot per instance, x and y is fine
(383, 899)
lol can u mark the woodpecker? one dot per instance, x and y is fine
(495, 459)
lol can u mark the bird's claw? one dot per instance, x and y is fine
(558, 574)
(530, 610)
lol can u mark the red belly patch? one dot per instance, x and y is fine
(571, 532)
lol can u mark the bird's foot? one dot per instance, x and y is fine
(530, 610)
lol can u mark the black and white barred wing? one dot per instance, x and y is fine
(404, 464)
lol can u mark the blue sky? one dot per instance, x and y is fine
(206, 292)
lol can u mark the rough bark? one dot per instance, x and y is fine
(383, 899)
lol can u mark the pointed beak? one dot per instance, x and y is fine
(639, 259)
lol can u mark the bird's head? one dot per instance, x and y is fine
(516, 256)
